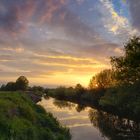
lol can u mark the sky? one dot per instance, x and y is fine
(63, 42)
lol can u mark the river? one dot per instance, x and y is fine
(86, 123)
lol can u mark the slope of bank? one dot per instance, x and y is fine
(22, 119)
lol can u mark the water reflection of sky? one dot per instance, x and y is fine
(78, 122)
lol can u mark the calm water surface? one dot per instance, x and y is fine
(86, 123)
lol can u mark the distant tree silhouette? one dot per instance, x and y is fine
(2, 88)
(10, 86)
(79, 89)
(22, 83)
(37, 88)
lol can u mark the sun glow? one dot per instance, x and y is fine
(62, 79)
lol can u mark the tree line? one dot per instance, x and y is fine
(21, 83)
(116, 89)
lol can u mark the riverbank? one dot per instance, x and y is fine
(122, 101)
(21, 118)
(86, 123)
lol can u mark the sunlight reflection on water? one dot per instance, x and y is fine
(86, 123)
(79, 123)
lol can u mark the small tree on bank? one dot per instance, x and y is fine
(22, 83)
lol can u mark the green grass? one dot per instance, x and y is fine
(21, 119)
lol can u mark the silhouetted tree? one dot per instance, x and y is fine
(22, 83)
(2, 87)
(102, 80)
(60, 92)
(10, 86)
(37, 88)
(127, 67)
(79, 90)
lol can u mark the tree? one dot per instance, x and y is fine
(127, 67)
(60, 92)
(37, 88)
(102, 80)
(22, 83)
(92, 83)
(2, 87)
(79, 89)
(10, 86)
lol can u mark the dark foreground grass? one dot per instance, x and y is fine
(22, 119)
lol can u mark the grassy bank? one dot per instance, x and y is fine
(22, 119)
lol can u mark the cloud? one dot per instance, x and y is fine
(80, 1)
(50, 9)
(45, 63)
(11, 49)
(134, 12)
(117, 24)
(5, 58)
(117, 20)
(52, 40)
(15, 14)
